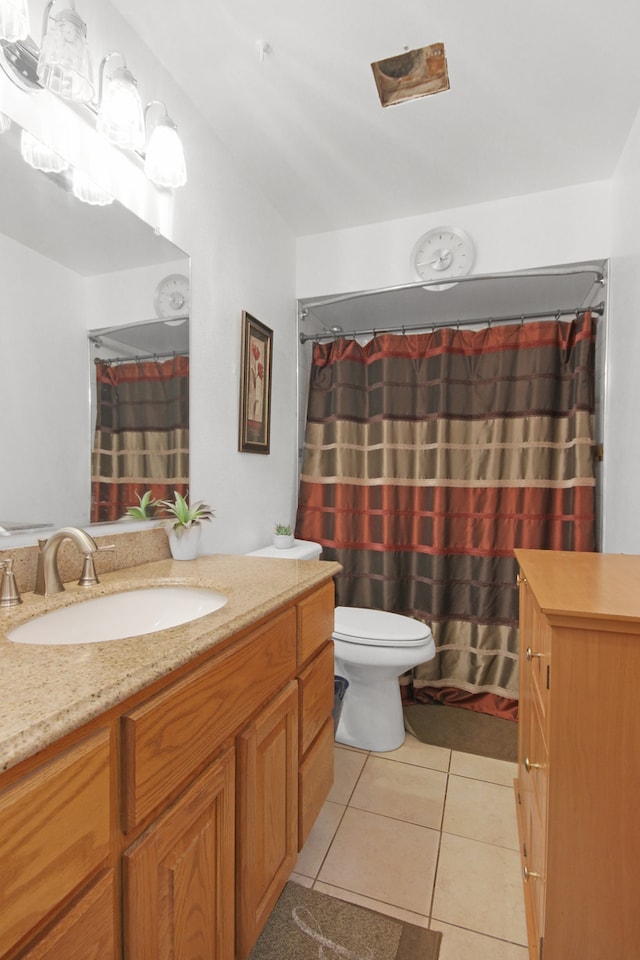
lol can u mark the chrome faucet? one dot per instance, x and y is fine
(47, 575)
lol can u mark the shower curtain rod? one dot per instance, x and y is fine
(143, 356)
(425, 284)
(318, 337)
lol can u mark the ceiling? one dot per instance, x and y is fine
(541, 96)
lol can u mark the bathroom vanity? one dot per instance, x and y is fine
(579, 746)
(156, 790)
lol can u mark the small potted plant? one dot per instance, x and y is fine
(283, 536)
(147, 507)
(182, 523)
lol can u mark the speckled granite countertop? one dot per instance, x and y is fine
(47, 691)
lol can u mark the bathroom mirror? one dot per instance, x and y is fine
(67, 268)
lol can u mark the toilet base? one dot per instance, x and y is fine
(371, 717)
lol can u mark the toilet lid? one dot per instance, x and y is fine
(377, 627)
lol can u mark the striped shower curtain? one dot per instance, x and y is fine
(428, 459)
(142, 433)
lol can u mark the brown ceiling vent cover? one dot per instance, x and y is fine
(415, 73)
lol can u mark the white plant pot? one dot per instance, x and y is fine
(185, 543)
(283, 541)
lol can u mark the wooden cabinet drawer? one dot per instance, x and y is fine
(54, 833)
(315, 780)
(169, 738)
(315, 621)
(86, 931)
(316, 696)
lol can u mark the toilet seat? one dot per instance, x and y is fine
(378, 628)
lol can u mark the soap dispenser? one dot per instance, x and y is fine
(9, 593)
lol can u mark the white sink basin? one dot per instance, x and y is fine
(119, 615)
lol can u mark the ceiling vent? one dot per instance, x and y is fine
(415, 73)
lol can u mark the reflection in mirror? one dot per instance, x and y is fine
(66, 268)
(140, 409)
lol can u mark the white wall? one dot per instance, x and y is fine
(242, 258)
(543, 229)
(622, 447)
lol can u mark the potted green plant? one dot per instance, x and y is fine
(283, 536)
(183, 525)
(147, 507)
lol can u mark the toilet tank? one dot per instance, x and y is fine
(301, 550)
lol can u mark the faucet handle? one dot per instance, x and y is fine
(89, 577)
(9, 593)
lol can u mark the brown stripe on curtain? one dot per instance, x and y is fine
(142, 434)
(429, 458)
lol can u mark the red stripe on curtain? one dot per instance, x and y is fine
(447, 520)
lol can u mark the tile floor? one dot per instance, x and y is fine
(428, 835)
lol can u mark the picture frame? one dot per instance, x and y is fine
(255, 386)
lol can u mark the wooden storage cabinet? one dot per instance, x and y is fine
(579, 742)
(168, 827)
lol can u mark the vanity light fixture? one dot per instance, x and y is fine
(14, 20)
(87, 190)
(120, 113)
(164, 162)
(64, 64)
(39, 156)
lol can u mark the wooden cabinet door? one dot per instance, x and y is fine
(179, 876)
(267, 809)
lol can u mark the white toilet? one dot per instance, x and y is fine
(372, 648)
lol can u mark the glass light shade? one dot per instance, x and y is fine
(120, 115)
(39, 156)
(5, 123)
(87, 190)
(64, 66)
(164, 162)
(14, 20)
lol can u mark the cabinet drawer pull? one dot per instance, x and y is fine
(529, 766)
(530, 875)
(529, 654)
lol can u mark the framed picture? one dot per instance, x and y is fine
(255, 386)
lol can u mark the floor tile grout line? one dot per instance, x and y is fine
(437, 863)
(342, 816)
